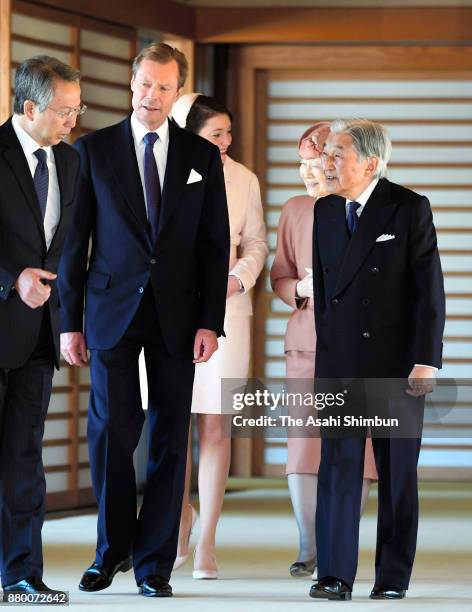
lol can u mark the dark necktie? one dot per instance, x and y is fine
(152, 184)
(41, 180)
(352, 218)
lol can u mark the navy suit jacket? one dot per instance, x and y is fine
(188, 264)
(379, 306)
(23, 244)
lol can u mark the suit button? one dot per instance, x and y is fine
(366, 335)
(141, 290)
(153, 261)
(365, 302)
(375, 270)
(1, 288)
(335, 301)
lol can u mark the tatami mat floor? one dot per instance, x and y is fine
(256, 544)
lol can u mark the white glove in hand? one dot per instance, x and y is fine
(305, 286)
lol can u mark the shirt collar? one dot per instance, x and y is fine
(28, 144)
(139, 131)
(365, 195)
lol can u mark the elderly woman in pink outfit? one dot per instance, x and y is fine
(291, 278)
(208, 118)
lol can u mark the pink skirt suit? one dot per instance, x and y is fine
(293, 255)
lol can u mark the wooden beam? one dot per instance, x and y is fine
(160, 15)
(334, 25)
(453, 61)
(5, 33)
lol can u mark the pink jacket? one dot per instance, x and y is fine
(293, 255)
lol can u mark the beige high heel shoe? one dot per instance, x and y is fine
(204, 574)
(181, 559)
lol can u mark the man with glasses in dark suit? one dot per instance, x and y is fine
(38, 173)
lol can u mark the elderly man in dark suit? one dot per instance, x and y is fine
(379, 311)
(151, 197)
(38, 174)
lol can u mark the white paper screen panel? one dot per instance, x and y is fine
(105, 64)
(430, 123)
(371, 110)
(107, 95)
(85, 480)
(57, 482)
(59, 401)
(21, 51)
(103, 43)
(41, 29)
(97, 119)
(106, 70)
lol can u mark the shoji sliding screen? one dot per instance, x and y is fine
(430, 123)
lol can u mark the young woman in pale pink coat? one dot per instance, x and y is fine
(291, 278)
(211, 120)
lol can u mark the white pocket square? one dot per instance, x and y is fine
(193, 177)
(385, 237)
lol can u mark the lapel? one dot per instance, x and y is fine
(122, 157)
(331, 211)
(178, 168)
(377, 212)
(14, 156)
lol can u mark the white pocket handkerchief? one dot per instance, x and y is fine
(193, 177)
(385, 237)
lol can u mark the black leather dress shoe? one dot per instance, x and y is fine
(33, 586)
(99, 577)
(155, 586)
(302, 568)
(378, 593)
(332, 589)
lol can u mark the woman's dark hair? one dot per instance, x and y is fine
(204, 108)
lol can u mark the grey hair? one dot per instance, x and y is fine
(370, 139)
(35, 80)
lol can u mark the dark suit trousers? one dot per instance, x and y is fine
(338, 510)
(115, 422)
(24, 400)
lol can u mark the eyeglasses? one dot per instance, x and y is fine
(70, 112)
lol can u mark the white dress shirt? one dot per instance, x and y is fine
(53, 202)
(160, 148)
(362, 200)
